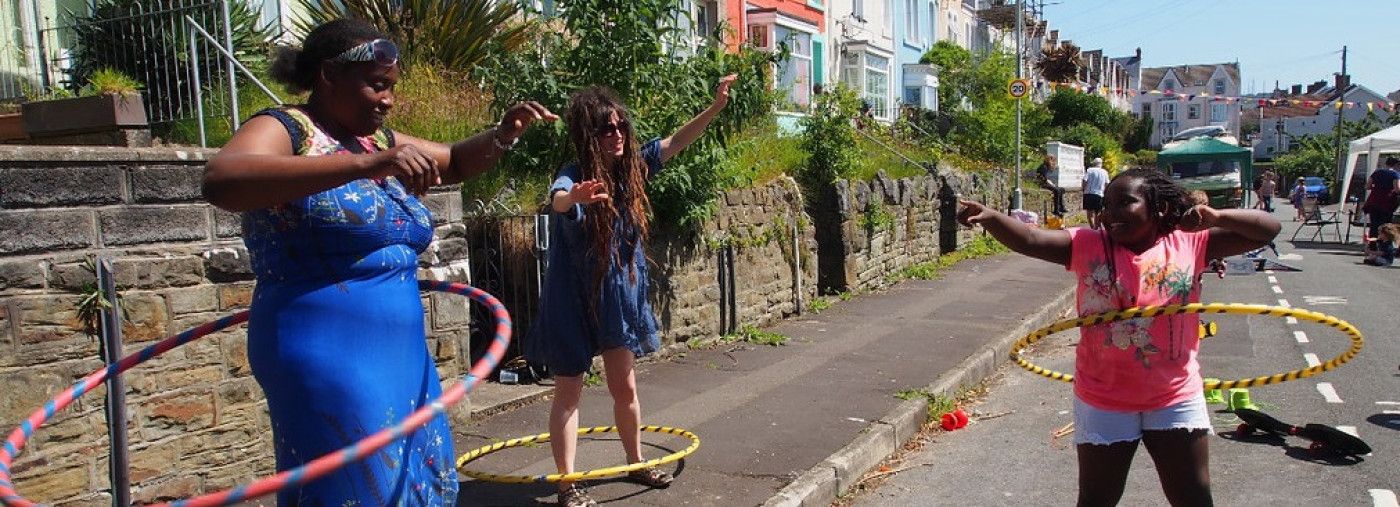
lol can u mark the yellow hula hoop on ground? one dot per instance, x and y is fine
(601, 473)
(1242, 309)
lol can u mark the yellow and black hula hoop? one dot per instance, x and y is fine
(600, 473)
(1242, 309)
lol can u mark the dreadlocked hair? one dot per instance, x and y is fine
(625, 181)
(1164, 197)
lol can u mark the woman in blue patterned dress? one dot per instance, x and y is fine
(334, 228)
(595, 300)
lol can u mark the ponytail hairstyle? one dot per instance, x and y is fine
(1167, 201)
(297, 68)
(588, 111)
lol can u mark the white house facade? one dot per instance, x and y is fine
(1286, 117)
(1188, 96)
(863, 32)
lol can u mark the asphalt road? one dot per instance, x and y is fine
(1008, 455)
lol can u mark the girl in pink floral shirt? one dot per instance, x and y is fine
(1138, 380)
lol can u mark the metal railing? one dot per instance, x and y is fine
(183, 52)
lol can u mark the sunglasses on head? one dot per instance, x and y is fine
(380, 51)
(613, 129)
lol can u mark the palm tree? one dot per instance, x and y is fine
(1060, 64)
(456, 34)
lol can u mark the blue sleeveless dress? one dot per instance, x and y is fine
(336, 336)
(565, 336)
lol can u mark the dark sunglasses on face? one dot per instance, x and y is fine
(613, 129)
(380, 51)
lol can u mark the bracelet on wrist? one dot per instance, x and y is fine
(496, 140)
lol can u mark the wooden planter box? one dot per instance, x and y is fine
(12, 127)
(79, 115)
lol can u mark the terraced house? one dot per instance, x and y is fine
(1188, 96)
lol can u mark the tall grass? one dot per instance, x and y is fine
(430, 103)
(760, 154)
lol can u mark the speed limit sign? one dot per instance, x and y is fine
(1019, 87)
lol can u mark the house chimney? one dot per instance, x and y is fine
(1343, 81)
(1316, 86)
(1138, 53)
(1296, 90)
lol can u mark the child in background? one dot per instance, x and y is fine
(1380, 251)
(1295, 197)
(1138, 380)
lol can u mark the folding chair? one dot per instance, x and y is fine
(1317, 218)
(1355, 218)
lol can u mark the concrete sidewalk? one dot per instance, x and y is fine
(792, 425)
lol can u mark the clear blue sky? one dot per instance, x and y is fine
(1291, 41)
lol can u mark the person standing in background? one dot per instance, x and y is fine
(1042, 176)
(1095, 180)
(1268, 186)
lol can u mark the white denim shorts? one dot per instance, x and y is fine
(1102, 427)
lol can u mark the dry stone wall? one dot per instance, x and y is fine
(876, 229)
(752, 264)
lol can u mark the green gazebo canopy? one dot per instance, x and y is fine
(1202, 149)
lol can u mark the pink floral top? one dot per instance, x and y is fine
(1146, 363)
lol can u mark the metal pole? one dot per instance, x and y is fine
(1020, 33)
(116, 392)
(228, 67)
(797, 263)
(198, 28)
(198, 85)
(1341, 104)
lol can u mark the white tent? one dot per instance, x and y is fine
(1373, 146)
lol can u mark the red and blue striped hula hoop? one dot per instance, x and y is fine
(315, 469)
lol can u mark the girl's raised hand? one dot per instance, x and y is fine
(972, 212)
(722, 90)
(1199, 218)
(588, 192)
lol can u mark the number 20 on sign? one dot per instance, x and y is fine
(1019, 87)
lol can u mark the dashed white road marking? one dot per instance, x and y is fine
(1311, 359)
(1328, 392)
(1284, 303)
(1300, 336)
(1324, 300)
(1273, 279)
(1383, 498)
(1291, 320)
(1277, 290)
(1388, 403)
(1269, 272)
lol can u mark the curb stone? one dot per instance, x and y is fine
(823, 483)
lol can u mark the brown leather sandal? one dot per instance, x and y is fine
(651, 477)
(575, 497)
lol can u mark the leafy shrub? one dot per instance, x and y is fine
(453, 34)
(829, 138)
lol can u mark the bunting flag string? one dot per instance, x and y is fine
(1383, 105)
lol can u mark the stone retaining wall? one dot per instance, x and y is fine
(876, 229)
